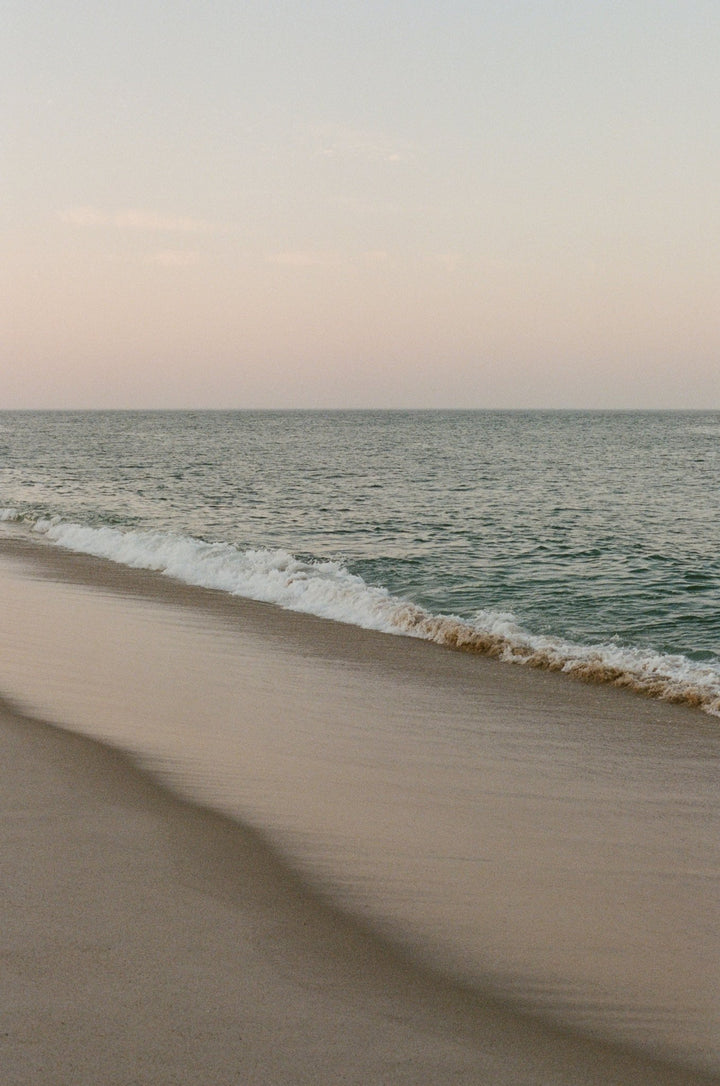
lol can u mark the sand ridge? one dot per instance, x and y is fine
(147, 940)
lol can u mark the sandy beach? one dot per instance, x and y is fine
(144, 940)
(147, 939)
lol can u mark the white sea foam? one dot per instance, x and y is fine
(325, 588)
(329, 590)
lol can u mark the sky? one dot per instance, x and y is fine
(330, 203)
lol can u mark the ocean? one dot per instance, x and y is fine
(536, 815)
(578, 540)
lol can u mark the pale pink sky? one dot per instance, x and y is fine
(360, 204)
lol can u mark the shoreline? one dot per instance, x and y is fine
(239, 962)
(676, 679)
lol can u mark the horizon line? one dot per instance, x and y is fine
(357, 410)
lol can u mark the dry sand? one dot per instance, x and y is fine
(145, 940)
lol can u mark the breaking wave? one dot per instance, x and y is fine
(329, 590)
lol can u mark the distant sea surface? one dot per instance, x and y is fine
(583, 541)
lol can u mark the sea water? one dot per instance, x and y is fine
(583, 541)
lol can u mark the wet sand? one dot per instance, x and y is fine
(145, 938)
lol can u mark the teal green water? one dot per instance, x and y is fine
(592, 528)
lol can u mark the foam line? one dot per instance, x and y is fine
(329, 590)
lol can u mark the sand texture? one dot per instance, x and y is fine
(147, 939)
